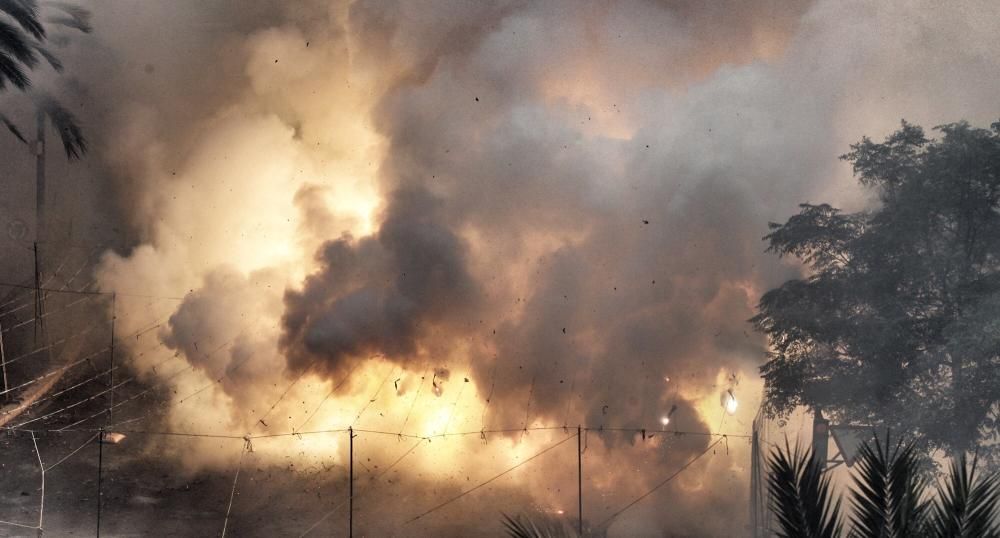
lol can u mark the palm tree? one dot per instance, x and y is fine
(22, 43)
(801, 495)
(889, 498)
(22, 39)
(966, 504)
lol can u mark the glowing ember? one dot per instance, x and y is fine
(730, 402)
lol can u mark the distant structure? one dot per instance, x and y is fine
(761, 520)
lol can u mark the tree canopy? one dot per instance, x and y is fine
(897, 321)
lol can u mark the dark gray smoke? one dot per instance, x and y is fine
(381, 294)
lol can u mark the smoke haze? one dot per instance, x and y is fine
(433, 217)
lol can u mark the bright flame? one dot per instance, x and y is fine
(731, 402)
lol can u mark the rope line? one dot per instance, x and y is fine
(328, 394)
(68, 456)
(661, 484)
(47, 314)
(52, 345)
(367, 488)
(377, 432)
(41, 506)
(232, 494)
(62, 369)
(82, 292)
(481, 484)
(22, 525)
(374, 396)
(414, 402)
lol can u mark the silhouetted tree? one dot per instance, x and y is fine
(897, 322)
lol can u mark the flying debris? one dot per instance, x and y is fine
(665, 419)
(112, 438)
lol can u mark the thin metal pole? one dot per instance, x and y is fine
(3, 364)
(111, 371)
(100, 468)
(40, 176)
(350, 509)
(38, 294)
(579, 479)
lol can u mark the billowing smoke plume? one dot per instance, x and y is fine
(433, 217)
(380, 294)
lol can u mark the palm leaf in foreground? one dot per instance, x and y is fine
(887, 495)
(966, 504)
(801, 496)
(524, 527)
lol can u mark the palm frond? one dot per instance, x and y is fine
(25, 13)
(966, 504)
(65, 124)
(50, 58)
(16, 44)
(801, 495)
(13, 72)
(887, 498)
(71, 16)
(12, 127)
(524, 527)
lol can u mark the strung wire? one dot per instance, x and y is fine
(367, 488)
(41, 506)
(223, 435)
(81, 383)
(454, 405)
(45, 284)
(484, 483)
(22, 525)
(282, 397)
(527, 407)
(84, 292)
(328, 394)
(374, 396)
(51, 345)
(661, 484)
(199, 390)
(71, 454)
(66, 367)
(51, 373)
(47, 314)
(489, 397)
(232, 494)
(413, 403)
(97, 376)
(75, 404)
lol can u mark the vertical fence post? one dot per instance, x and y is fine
(111, 370)
(3, 365)
(100, 468)
(38, 291)
(350, 500)
(579, 480)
